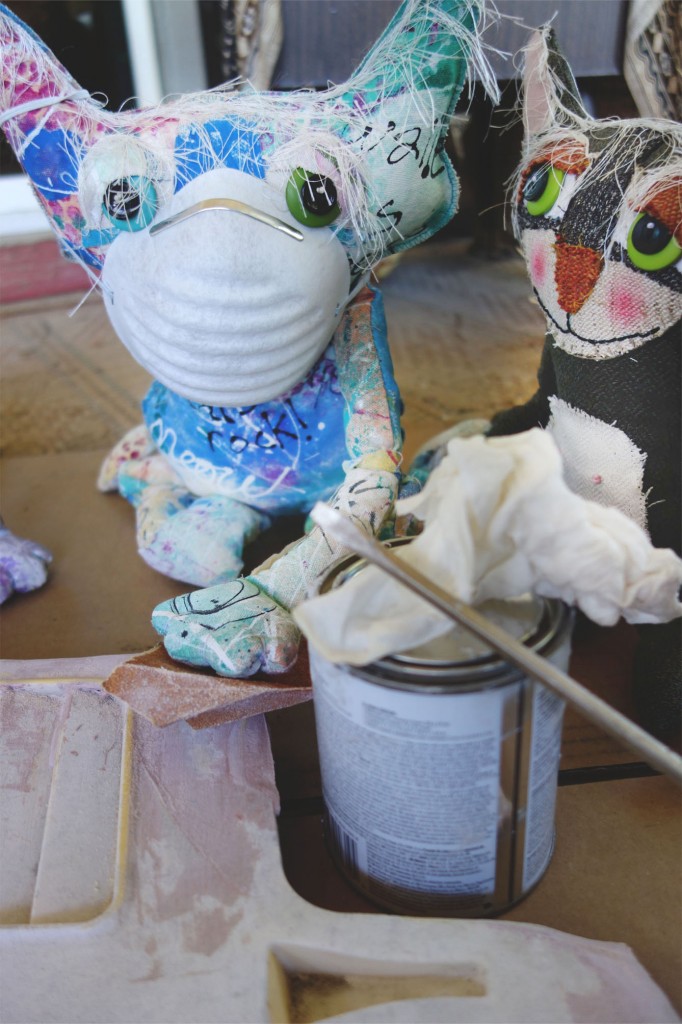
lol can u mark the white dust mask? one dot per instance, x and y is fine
(220, 307)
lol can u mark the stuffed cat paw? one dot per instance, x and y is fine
(195, 539)
(234, 628)
(23, 564)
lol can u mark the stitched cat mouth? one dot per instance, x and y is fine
(592, 341)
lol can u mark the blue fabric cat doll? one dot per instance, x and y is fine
(232, 234)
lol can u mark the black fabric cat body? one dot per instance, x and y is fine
(641, 396)
(599, 217)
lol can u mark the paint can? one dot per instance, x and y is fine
(439, 765)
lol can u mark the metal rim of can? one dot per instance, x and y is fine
(553, 622)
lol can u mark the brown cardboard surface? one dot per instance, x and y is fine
(100, 594)
(602, 661)
(614, 876)
(616, 873)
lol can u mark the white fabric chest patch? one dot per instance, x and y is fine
(601, 463)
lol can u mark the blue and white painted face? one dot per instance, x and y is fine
(232, 228)
(222, 293)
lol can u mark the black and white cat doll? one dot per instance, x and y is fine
(598, 213)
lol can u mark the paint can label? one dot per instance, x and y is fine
(437, 803)
(547, 720)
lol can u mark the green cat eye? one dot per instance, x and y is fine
(312, 198)
(542, 189)
(651, 246)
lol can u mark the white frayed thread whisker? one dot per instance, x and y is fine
(94, 286)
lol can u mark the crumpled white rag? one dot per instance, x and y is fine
(500, 522)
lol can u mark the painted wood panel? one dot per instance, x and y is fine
(61, 752)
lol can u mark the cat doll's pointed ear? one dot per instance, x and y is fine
(405, 91)
(37, 93)
(50, 121)
(550, 92)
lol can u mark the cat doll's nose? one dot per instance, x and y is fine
(576, 273)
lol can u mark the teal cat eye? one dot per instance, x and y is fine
(651, 246)
(312, 198)
(130, 203)
(542, 189)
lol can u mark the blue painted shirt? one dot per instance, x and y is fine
(279, 456)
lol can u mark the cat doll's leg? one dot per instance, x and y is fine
(195, 540)
(135, 445)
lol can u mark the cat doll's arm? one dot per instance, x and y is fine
(373, 442)
(534, 412)
(244, 626)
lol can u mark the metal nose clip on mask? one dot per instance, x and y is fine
(205, 258)
(232, 205)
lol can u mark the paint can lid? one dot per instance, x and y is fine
(519, 616)
(457, 658)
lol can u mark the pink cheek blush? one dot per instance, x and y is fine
(627, 306)
(538, 265)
